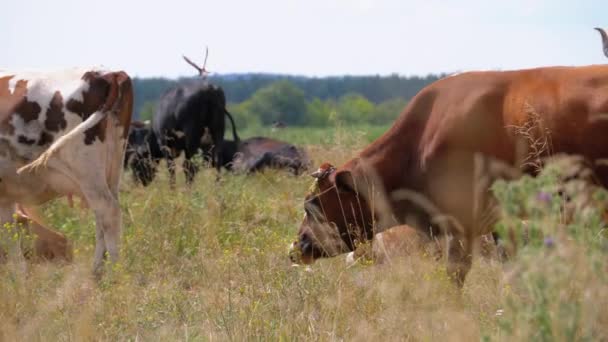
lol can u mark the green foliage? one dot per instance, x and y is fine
(387, 111)
(147, 111)
(353, 109)
(281, 100)
(318, 112)
(243, 118)
(554, 224)
(239, 88)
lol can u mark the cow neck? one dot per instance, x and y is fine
(391, 157)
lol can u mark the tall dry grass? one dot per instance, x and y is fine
(210, 263)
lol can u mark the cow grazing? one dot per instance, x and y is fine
(66, 135)
(143, 153)
(434, 166)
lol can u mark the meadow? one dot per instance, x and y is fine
(210, 263)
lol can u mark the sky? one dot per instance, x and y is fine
(303, 37)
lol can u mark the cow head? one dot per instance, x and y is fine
(336, 216)
(141, 156)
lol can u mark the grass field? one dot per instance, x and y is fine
(210, 263)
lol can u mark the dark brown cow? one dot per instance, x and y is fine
(65, 135)
(434, 166)
(257, 153)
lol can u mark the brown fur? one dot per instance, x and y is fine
(48, 244)
(433, 147)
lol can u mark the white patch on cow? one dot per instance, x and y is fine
(179, 134)
(40, 83)
(41, 87)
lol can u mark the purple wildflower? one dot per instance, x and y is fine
(544, 196)
(549, 242)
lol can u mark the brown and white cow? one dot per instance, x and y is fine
(434, 166)
(65, 134)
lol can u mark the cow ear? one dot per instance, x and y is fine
(345, 182)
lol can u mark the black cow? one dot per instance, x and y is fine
(257, 153)
(186, 117)
(143, 153)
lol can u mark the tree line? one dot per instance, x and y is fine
(260, 99)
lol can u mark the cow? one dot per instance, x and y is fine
(143, 153)
(65, 135)
(257, 153)
(47, 244)
(187, 117)
(433, 168)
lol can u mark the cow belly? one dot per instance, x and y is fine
(33, 189)
(458, 183)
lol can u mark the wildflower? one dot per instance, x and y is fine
(543, 196)
(549, 242)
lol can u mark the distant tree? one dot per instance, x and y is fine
(147, 111)
(354, 108)
(279, 101)
(387, 111)
(243, 117)
(318, 112)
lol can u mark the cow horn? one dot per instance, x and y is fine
(604, 40)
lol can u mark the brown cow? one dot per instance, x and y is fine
(434, 166)
(47, 243)
(65, 136)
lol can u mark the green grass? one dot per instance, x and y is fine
(313, 135)
(211, 263)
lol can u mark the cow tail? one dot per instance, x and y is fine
(43, 159)
(234, 135)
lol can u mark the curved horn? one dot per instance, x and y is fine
(203, 72)
(199, 69)
(604, 40)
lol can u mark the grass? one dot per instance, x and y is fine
(211, 263)
(317, 136)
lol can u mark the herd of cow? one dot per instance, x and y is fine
(70, 133)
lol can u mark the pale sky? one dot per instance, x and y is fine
(305, 37)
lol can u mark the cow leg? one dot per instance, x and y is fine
(460, 258)
(108, 222)
(190, 169)
(170, 168)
